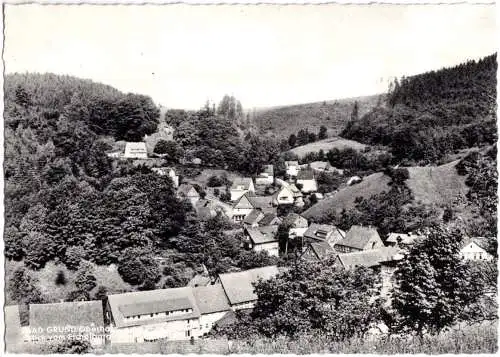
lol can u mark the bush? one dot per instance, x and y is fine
(60, 278)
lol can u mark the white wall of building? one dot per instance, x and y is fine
(474, 252)
(271, 248)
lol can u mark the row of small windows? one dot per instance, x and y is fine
(160, 314)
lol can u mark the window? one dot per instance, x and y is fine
(188, 333)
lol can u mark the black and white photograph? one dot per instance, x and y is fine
(250, 178)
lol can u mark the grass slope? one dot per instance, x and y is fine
(437, 185)
(286, 120)
(326, 145)
(345, 197)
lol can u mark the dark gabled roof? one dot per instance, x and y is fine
(261, 202)
(369, 258)
(76, 313)
(150, 302)
(322, 249)
(318, 231)
(261, 235)
(155, 306)
(268, 219)
(211, 299)
(253, 217)
(305, 175)
(238, 286)
(358, 236)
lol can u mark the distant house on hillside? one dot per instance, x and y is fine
(307, 180)
(187, 191)
(167, 171)
(324, 166)
(248, 203)
(240, 187)
(476, 249)
(292, 168)
(323, 233)
(359, 238)
(262, 239)
(257, 218)
(238, 286)
(83, 320)
(135, 150)
(266, 177)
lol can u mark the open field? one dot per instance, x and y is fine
(328, 144)
(285, 120)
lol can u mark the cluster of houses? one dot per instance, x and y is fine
(143, 316)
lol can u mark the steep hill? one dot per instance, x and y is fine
(285, 120)
(429, 185)
(326, 145)
(434, 114)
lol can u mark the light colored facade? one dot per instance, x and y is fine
(472, 251)
(263, 239)
(272, 248)
(135, 150)
(284, 196)
(292, 168)
(240, 187)
(162, 171)
(266, 177)
(241, 209)
(308, 185)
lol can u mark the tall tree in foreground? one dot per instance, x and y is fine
(434, 285)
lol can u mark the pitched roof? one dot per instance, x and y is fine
(261, 202)
(320, 165)
(246, 182)
(322, 249)
(369, 258)
(482, 242)
(135, 147)
(295, 190)
(152, 301)
(305, 175)
(261, 235)
(76, 314)
(402, 237)
(292, 218)
(321, 231)
(211, 299)
(238, 286)
(185, 188)
(253, 217)
(199, 280)
(268, 219)
(358, 236)
(291, 163)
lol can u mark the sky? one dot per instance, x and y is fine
(264, 55)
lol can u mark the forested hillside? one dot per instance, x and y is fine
(434, 114)
(286, 120)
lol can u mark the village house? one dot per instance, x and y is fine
(402, 240)
(248, 203)
(262, 239)
(383, 259)
(266, 177)
(324, 166)
(359, 238)
(167, 171)
(284, 196)
(135, 150)
(151, 315)
(258, 218)
(205, 209)
(475, 249)
(292, 168)
(270, 219)
(212, 304)
(317, 251)
(323, 233)
(238, 286)
(298, 225)
(188, 192)
(240, 187)
(305, 178)
(71, 320)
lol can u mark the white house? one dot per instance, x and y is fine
(298, 225)
(175, 314)
(292, 168)
(247, 203)
(162, 171)
(262, 239)
(266, 177)
(238, 286)
(240, 187)
(307, 180)
(284, 196)
(135, 150)
(474, 249)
